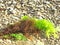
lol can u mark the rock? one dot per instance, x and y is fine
(39, 43)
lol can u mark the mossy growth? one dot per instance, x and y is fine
(45, 25)
(24, 17)
(27, 18)
(15, 36)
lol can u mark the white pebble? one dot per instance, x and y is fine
(6, 22)
(1, 40)
(59, 5)
(36, 0)
(57, 44)
(0, 24)
(9, 41)
(9, 2)
(39, 43)
(46, 2)
(14, 2)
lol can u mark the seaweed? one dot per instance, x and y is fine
(47, 26)
(30, 26)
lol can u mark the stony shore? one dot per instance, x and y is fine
(12, 10)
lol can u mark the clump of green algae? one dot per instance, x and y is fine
(42, 24)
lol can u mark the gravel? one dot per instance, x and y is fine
(18, 42)
(12, 10)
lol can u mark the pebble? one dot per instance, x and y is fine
(58, 28)
(8, 41)
(18, 6)
(1, 40)
(39, 43)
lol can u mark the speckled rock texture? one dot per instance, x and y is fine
(12, 10)
(19, 42)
